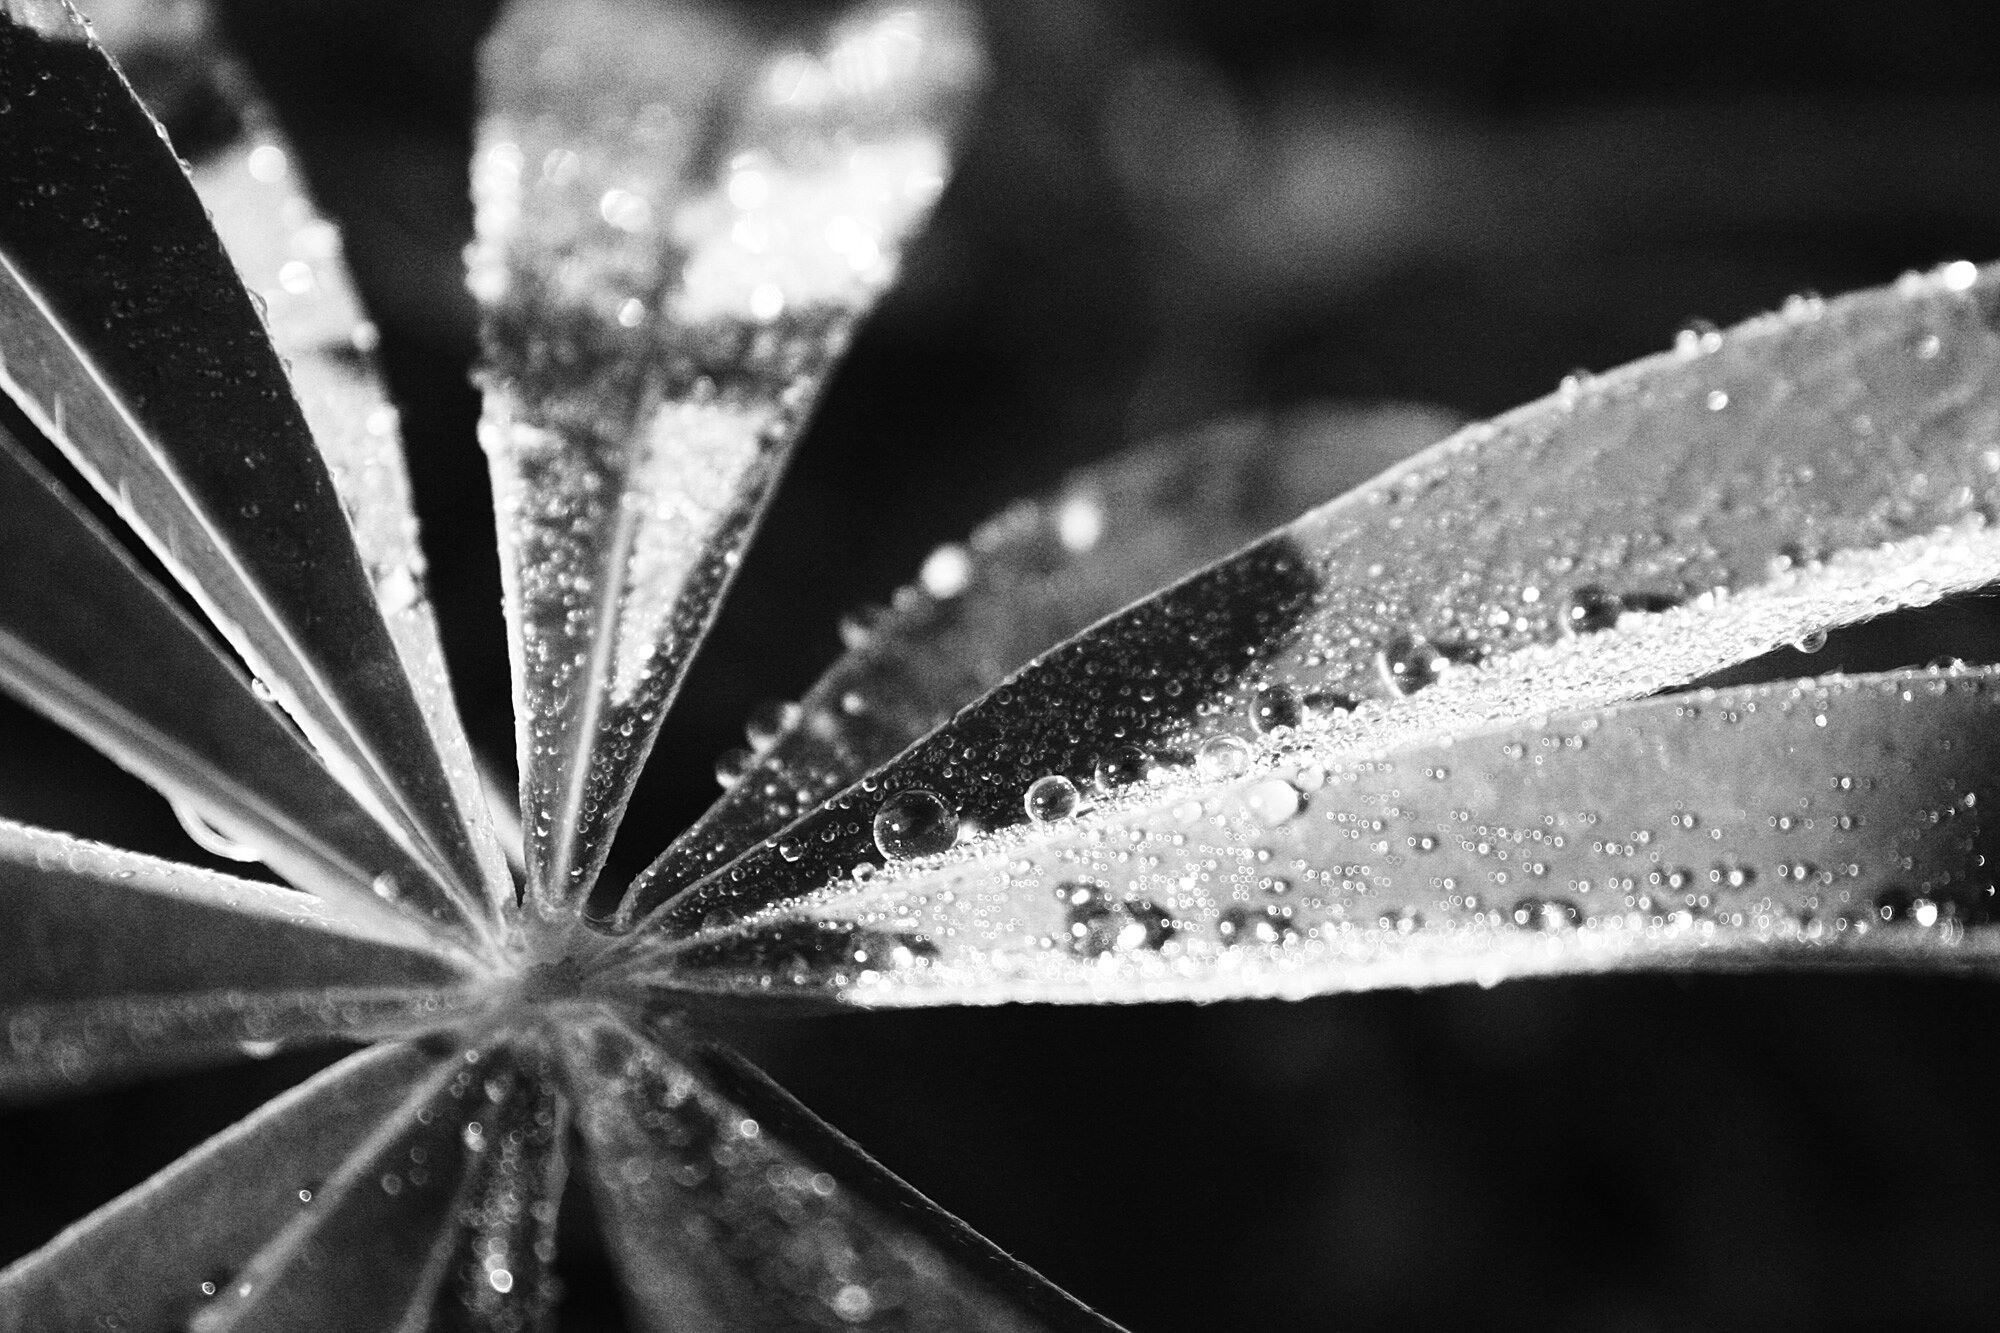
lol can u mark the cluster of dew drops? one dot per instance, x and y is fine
(917, 822)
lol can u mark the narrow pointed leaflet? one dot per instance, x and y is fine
(156, 1256)
(733, 1208)
(290, 257)
(119, 964)
(680, 225)
(1807, 470)
(1832, 821)
(126, 337)
(1030, 577)
(376, 1251)
(89, 640)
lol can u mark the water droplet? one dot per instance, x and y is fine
(1122, 767)
(915, 823)
(1051, 796)
(1095, 927)
(1276, 706)
(853, 1303)
(1272, 801)
(1255, 925)
(1717, 400)
(770, 720)
(1811, 643)
(386, 888)
(1590, 609)
(1545, 914)
(1732, 876)
(947, 572)
(1698, 337)
(1408, 663)
(1222, 756)
(210, 838)
(731, 765)
(1321, 703)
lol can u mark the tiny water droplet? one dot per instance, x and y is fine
(1256, 925)
(731, 765)
(1222, 756)
(1811, 643)
(1408, 663)
(1589, 609)
(1322, 703)
(1051, 796)
(1545, 914)
(1698, 337)
(1122, 767)
(770, 720)
(915, 823)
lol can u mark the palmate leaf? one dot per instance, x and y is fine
(1641, 538)
(132, 347)
(680, 226)
(1404, 740)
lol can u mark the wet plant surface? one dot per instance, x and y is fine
(1473, 721)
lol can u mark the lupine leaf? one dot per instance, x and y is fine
(131, 345)
(1824, 821)
(679, 227)
(732, 1207)
(291, 258)
(160, 699)
(142, 1262)
(381, 1248)
(1807, 470)
(119, 964)
(1030, 577)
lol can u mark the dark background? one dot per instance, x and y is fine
(1169, 212)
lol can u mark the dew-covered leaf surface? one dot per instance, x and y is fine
(680, 224)
(119, 964)
(732, 1207)
(290, 258)
(1808, 469)
(1836, 820)
(410, 1226)
(160, 699)
(1032, 576)
(131, 345)
(142, 1261)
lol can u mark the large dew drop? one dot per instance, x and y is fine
(915, 823)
